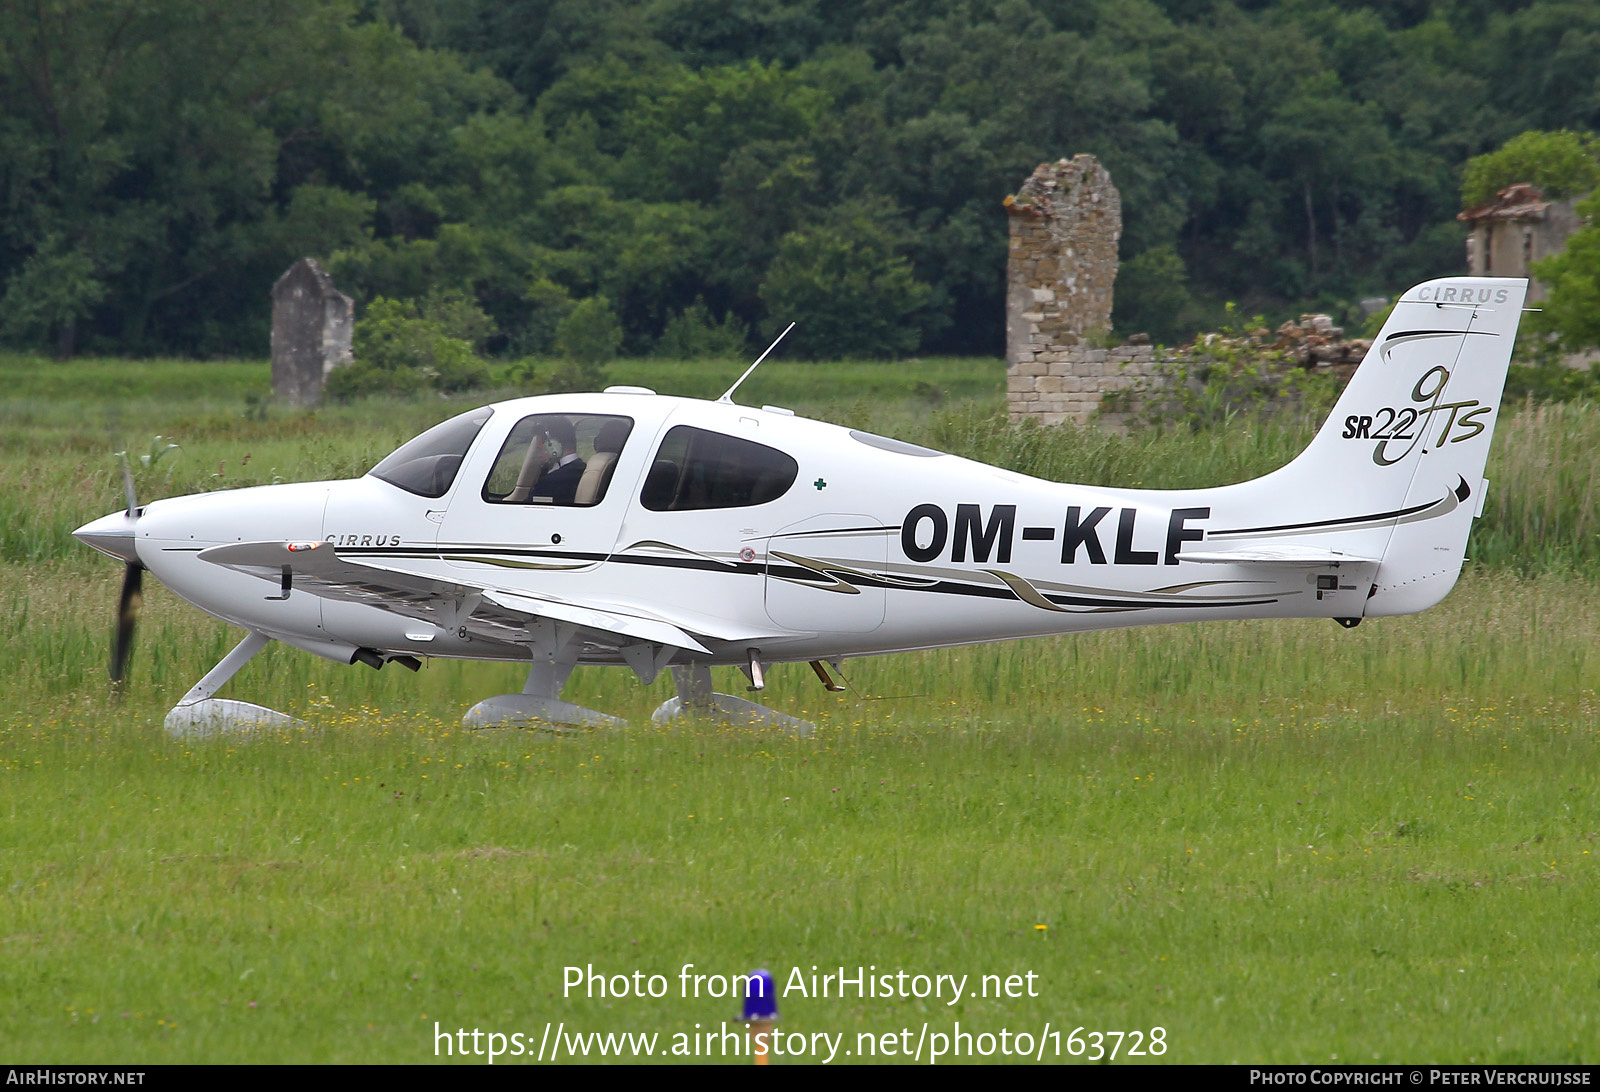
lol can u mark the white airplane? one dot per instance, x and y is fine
(654, 532)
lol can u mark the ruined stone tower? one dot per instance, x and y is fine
(312, 327)
(1065, 223)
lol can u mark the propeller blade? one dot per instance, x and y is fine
(127, 619)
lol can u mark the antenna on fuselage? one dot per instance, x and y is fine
(727, 395)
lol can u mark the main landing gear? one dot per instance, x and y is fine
(555, 654)
(555, 647)
(696, 699)
(539, 707)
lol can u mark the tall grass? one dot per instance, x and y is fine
(1541, 513)
(1278, 841)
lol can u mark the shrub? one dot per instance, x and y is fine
(693, 335)
(1231, 372)
(590, 333)
(407, 346)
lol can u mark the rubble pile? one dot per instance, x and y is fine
(1312, 342)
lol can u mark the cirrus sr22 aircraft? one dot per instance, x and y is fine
(687, 534)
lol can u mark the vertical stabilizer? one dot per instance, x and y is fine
(1396, 472)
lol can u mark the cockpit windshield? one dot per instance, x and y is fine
(427, 465)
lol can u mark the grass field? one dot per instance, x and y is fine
(1275, 841)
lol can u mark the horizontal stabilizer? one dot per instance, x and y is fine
(1278, 555)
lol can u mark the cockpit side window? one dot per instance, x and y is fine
(695, 469)
(564, 459)
(427, 465)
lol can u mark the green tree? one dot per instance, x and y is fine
(845, 288)
(1572, 311)
(680, 138)
(587, 339)
(184, 154)
(1152, 296)
(647, 257)
(657, 152)
(52, 292)
(1562, 164)
(1539, 58)
(590, 333)
(1334, 152)
(151, 183)
(548, 304)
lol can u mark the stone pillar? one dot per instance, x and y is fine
(312, 326)
(1066, 221)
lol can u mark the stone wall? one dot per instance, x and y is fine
(1070, 383)
(1065, 223)
(1112, 387)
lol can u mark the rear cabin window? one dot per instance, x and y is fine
(696, 469)
(564, 459)
(427, 465)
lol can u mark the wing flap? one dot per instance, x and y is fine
(650, 630)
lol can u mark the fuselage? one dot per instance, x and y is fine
(836, 543)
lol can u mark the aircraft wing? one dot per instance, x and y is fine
(495, 613)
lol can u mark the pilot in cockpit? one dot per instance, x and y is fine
(563, 468)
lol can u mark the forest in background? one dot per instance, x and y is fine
(680, 176)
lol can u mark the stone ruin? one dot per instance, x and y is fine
(1065, 224)
(1066, 221)
(312, 327)
(1517, 229)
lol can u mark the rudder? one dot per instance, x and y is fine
(1426, 548)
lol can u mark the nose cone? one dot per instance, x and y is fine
(112, 535)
